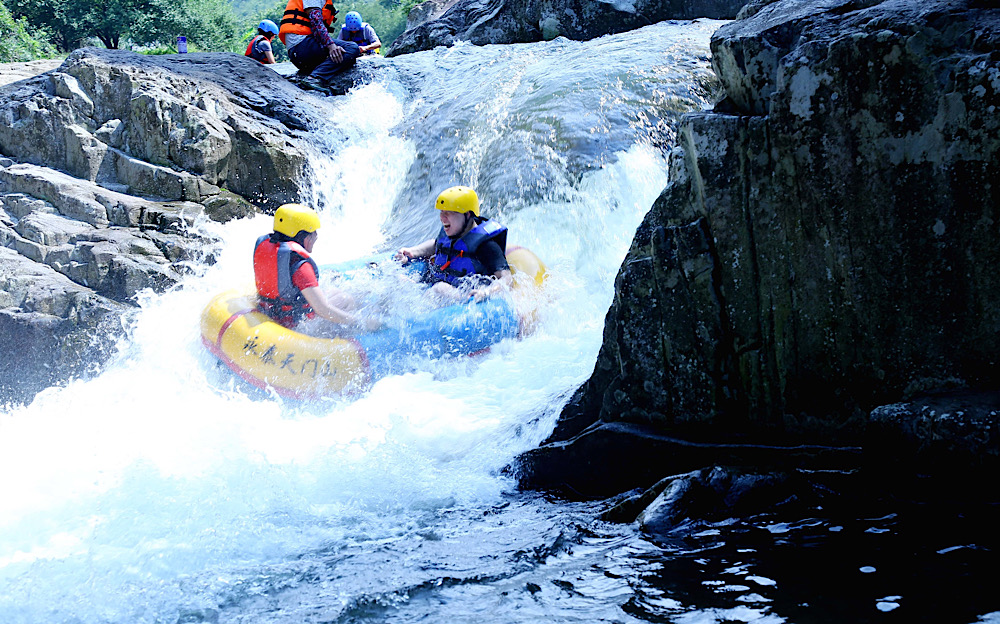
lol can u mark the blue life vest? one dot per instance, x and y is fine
(274, 265)
(456, 258)
(357, 36)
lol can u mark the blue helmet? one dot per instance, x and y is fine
(353, 20)
(268, 26)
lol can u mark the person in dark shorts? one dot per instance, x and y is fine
(317, 55)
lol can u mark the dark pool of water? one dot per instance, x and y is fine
(535, 559)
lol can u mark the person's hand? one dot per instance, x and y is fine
(336, 52)
(404, 255)
(367, 323)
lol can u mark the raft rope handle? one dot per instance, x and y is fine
(230, 321)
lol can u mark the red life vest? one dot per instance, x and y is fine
(253, 41)
(274, 264)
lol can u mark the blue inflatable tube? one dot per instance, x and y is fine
(455, 330)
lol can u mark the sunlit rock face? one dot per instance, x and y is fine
(106, 162)
(436, 23)
(178, 127)
(827, 243)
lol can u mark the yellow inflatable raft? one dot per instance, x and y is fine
(295, 365)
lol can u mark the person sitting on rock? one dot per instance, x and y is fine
(259, 48)
(467, 259)
(287, 277)
(360, 33)
(318, 56)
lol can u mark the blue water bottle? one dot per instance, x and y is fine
(182, 44)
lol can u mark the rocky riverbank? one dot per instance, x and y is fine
(110, 162)
(817, 285)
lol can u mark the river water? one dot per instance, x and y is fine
(165, 490)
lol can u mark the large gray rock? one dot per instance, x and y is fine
(177, 127)
(52, 329)
(112, 243)
(445, 22)
(108, 164)
(827, 247)
(73, 257)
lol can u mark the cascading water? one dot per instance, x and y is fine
(165, 490)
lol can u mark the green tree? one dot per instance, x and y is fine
(209, 24)
(54, 20)
(16, 44)
(213, 26)
(142, 22)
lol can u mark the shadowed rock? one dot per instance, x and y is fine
(443, 23)
(824, 247)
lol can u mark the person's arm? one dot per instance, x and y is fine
(375, 44)
(323, 35)
(268, 54)
(422, 250)
(336, 308)
(322, 307)
(495, 265)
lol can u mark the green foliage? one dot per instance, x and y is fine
(208, 24)
(16, 44)
(153, 25)
(408, 5)
(246, 9)
(53, 19)
(213, 26)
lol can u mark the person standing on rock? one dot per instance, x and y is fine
(317, 55)
(259, 48)
(360, 33)
(467, 259)
(287, 277)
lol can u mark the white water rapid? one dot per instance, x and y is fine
(164, 490)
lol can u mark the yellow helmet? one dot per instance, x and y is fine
(458, 199)
(290, 219)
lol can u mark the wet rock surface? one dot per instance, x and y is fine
(826, 245)
(444, 23)
(179, 127)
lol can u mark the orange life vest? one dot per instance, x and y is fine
(296, 20)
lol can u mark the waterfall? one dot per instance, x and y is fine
(167, 490)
